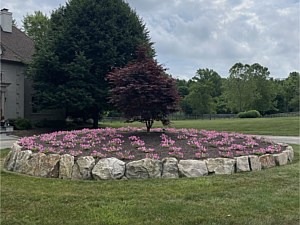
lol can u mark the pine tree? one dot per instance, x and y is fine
(85, 40)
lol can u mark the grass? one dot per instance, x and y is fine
(261, 198)
(283, 126)
(265, 197)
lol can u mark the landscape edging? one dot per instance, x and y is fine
(86, 168)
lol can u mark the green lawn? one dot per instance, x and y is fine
(282, 126)
(265, 197)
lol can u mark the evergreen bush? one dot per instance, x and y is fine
(249, 114)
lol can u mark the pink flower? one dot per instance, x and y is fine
(152, 156)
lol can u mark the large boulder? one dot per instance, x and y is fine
(289, 150)
(255, 164)
(109, 168)
(41, 165)
(281, 158)
(170, 168)
(21, 161)
(50, 166)
(144, 168)
(242, 164)
(83, 167)
(267, 161)
(10, 160)
(221, 165)
(66, 164)
(33, 165)
(192, 168)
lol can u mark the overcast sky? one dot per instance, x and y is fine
(214, 34)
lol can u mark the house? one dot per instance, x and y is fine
(16, 52)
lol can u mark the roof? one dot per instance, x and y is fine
(16, 46)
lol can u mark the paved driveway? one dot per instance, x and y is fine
(6, 141)
(283, 139)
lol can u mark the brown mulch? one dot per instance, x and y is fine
(35, 131)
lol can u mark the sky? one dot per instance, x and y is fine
(214, 34)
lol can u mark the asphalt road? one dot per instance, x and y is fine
(283, 139)
(6, 141)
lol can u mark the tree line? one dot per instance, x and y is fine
(86, 49)
(248, 87)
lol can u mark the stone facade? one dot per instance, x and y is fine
(67, 167)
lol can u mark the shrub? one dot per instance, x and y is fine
(50, 123)
(22, 124)
(249, 114)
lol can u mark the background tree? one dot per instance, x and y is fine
(249, 87)
(143, 91)
(200, 99)
(237, 88)
(291, 88)
(183, 91)
(205, 87)
(263, 89)
(210, 78)
(280, 98)
(36, 26)
(85, 40)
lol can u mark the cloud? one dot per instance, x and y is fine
(215, 34)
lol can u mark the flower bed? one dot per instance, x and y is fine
(134, 143)
(76, 154)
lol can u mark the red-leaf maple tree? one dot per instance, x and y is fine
(142, 90)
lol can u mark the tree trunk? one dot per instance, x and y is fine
(149, 124)
(95, 119)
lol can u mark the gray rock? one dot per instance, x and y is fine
(242, 164)
(221, 165)
(254, 163)
(66, 164)
(83, 167)
(170, 168)
(283, 144)
(144, 168)
(267, 161)
(290, 152)
(192, 168)
(49, 166)
(16, 147)
(41, 165)
(33, 165)
(10, 160)
(109, 168)
(21, 160)
(281, 158)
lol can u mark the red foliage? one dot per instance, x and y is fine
(143, 91)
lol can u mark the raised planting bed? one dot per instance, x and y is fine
(133, 153)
